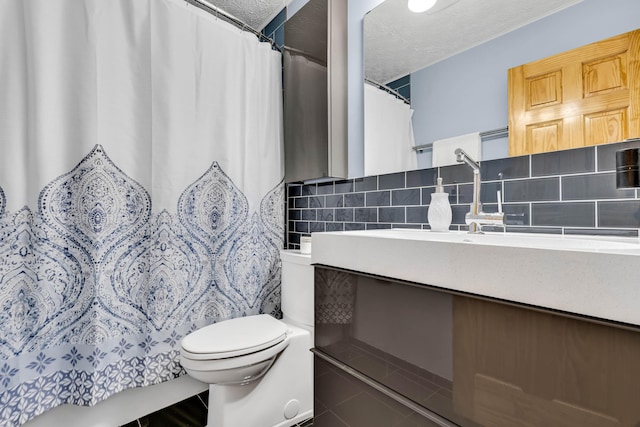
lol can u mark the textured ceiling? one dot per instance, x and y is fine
(398, 42)
(255, 13)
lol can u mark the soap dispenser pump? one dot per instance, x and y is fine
(439, 213)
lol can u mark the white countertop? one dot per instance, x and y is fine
(598, 277)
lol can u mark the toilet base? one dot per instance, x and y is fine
(270, 401)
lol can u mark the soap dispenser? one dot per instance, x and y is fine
(439, 213)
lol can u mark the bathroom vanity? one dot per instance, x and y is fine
(415, 328)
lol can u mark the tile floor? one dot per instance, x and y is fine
(191, 412)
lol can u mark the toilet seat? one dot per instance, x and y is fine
(236, 351)
(235, 337)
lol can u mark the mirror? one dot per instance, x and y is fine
(458, 54)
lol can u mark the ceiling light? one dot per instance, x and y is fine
(419, 6)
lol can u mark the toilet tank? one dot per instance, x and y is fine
(297, 288)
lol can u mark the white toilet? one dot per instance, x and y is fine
(260, 369)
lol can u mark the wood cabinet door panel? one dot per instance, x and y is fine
(586, 96)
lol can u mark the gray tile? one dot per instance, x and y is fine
(489, 191)
(332, 388)
(416, 420)
(421, 178)
(454, 193)
(294, 190)
(334, 201)
(508, 168)
(378, 226)
(354, 226)
(590, 187)
(344, 215)
(316, 227)
(295, 214)
(465, 193)
(354, 200)
(606, 153)
(294, 238)
(405, 197)
(309, 190)
(458, 213)
(534, 230)
(391, 215)
(316, 202)
(391, 181)
(334, 226)
(344, 186)
(579, 214)
(532, 190)
(366, 215)
(325, 188)
(456, 174)
(308, 214)
(409, 226)
(367, 410)
(426, 195)
(417, 214)
(516, 214)
(619, 214)
(324, 214)
(368, 183)
(328, 419)
(302, 227)
(578, 160)
(378, 198)
(301, 202)
(602, 232)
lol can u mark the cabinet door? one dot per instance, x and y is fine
(522, 368)
(585, 96)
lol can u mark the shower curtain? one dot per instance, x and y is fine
(388, 133)
(141, 192)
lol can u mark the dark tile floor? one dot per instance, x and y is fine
(191, 412)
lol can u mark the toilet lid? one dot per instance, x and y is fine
(235, 337)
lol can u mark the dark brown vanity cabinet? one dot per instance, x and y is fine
(392, 353)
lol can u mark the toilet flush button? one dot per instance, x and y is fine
(291, 409)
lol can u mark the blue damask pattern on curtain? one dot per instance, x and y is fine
(97, 289)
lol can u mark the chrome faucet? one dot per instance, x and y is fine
(475, 218)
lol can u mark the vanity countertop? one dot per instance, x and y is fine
(590, 276)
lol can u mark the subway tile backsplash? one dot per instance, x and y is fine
(565, 192)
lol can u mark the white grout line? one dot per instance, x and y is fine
(202, 401)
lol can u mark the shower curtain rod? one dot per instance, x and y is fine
(219, 13)
(388, 90)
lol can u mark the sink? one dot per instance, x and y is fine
(588, 276)
(520, 240)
